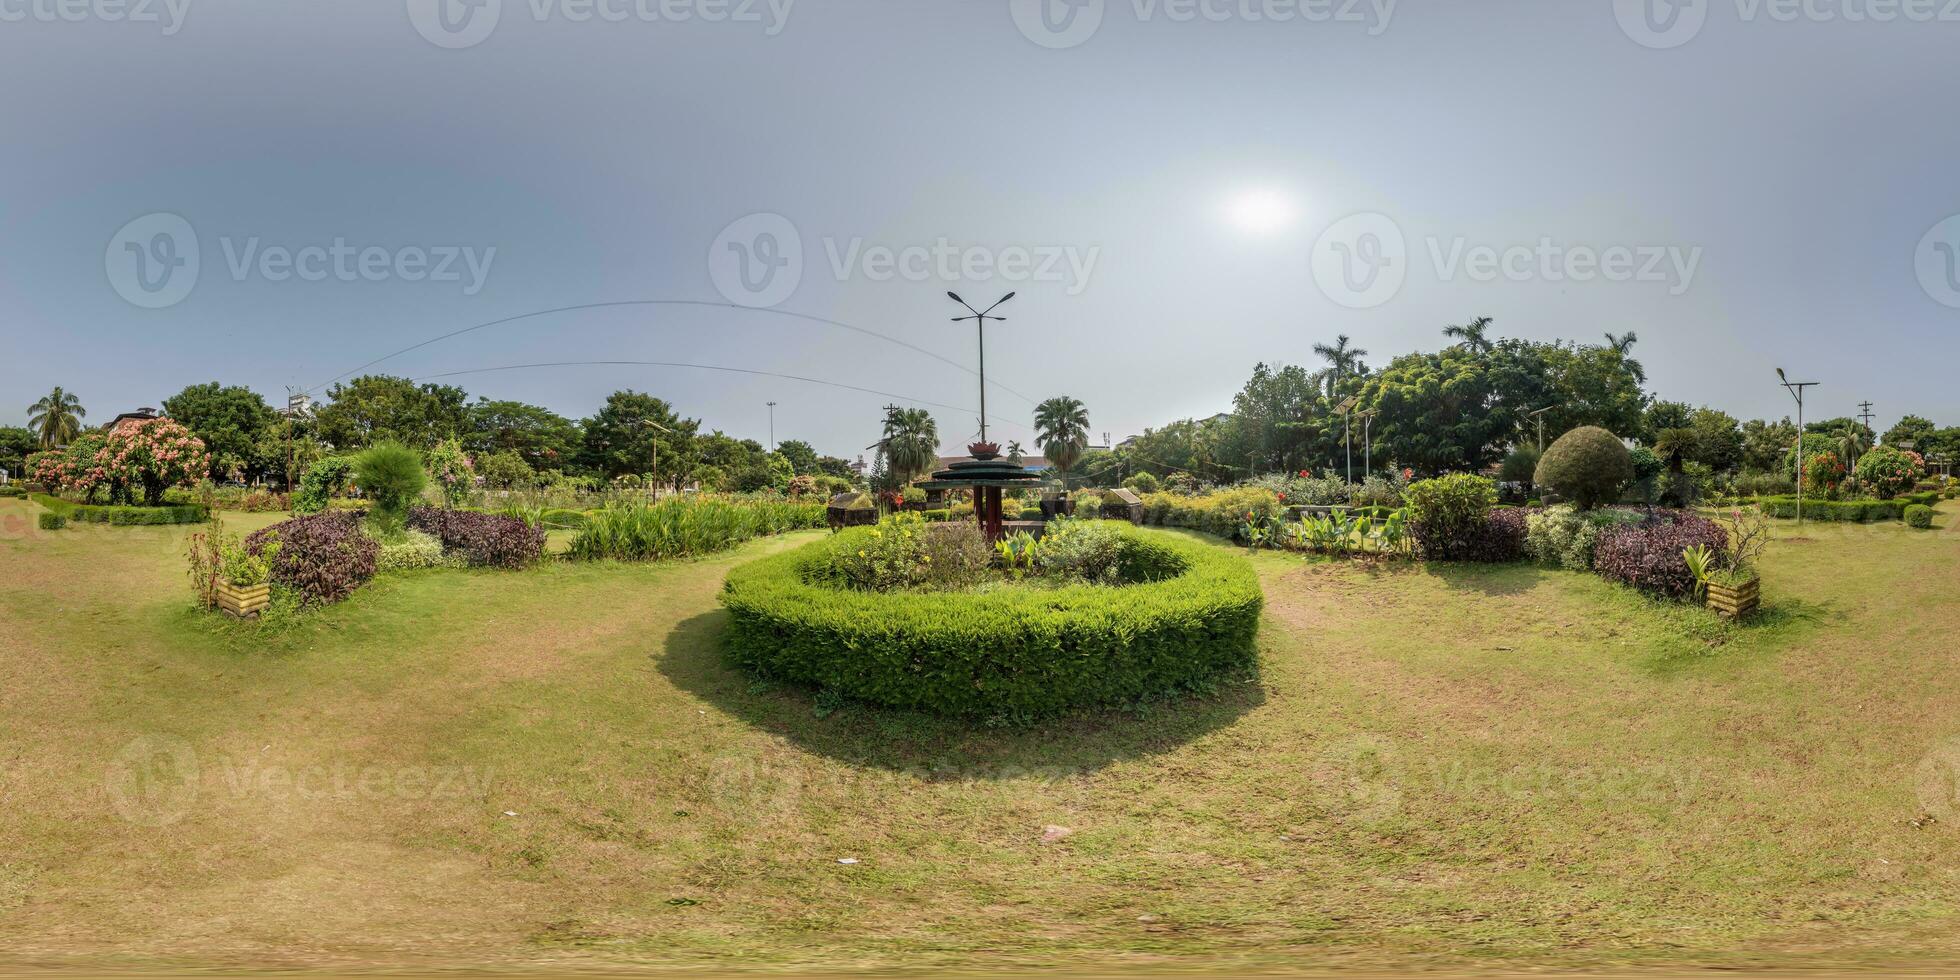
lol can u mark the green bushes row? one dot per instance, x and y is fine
(1191, 612)
(686, 526)
(1223, 513)
(50, 521)
(1849, 511)
(124, 516)
(12, 490)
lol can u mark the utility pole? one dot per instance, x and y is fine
(772, 427)
(1796, 391)
(1866, 414)
(1540, 416)
(980, 318)
(1367, 443)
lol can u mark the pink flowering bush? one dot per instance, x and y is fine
(1822, 473)
(154, 455)
(1886, 472)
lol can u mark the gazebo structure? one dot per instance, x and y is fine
(986, 474)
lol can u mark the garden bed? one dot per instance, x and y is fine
(1184, 613)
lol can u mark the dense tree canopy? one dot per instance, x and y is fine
(624, 436)
(541, 437)
(233, 422)
(377, 408)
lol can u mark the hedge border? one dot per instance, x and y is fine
(122, 516)
(1848, 511)
(1005, 652)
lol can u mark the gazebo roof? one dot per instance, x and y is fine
(985, 469)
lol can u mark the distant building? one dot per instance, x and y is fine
(298, 406)
(130, 420)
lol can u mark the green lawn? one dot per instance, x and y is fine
(1449, 766)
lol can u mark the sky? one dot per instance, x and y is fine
(278, 194)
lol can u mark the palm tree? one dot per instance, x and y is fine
(910, 444)
(1623, 346)
(1849, 440)
(57, 418)
(1472, 334)
(1341, 360)
(1015, 454)
(1062, 428)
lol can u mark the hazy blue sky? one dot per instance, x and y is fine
(1186, 166)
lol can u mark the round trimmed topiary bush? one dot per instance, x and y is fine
(1919, 516)
(1186, 613)
(1587, 466)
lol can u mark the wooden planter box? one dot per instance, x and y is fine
(1735, 601)
(245, 602)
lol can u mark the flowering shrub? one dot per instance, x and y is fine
(453, 471)
(884, 558)
(1648, 555)
(484, 540)
(1885, 472)
(1822, 473)
(1079, 549)
(324, 557)
(154, 454)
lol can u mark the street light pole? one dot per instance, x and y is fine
(980, 318)
(1796, 391)
(772, 427)
(1367, 443)
(653, 454)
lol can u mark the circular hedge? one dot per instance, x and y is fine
(1191, 610)
(1587, 465)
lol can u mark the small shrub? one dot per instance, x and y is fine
(324, 557)
(323, 481)
(50, 521)
(414, 549)
(1079, 549)
(1919, 516)
(481, 540)
(1887, 472)
(1447, 516)
(885, 558)
(1142, 483)
(12, 490)
(1648, 555)
(1565, 537)
(391, 475)
(1587, 465)
(958, 556)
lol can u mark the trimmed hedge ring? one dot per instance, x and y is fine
(1191, 612)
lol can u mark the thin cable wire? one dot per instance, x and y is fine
(724, 368)
(660, 302)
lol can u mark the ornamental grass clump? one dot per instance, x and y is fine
(680, 527)
(391, 475)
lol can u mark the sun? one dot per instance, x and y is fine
(1260, 210)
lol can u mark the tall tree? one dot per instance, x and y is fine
(1622, 344)
(1062, 429)
(545, 439)
(638, 433)
(1343, 361)
(910, 444)
(1911, 429)
(1472, 335)
(379, 408)
(57, 418)
(232, 421)
(16, 444)
(801, 455)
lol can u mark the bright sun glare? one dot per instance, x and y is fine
(1260, 210)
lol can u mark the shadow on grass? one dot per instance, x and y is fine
(867, 735)
(1507, 579)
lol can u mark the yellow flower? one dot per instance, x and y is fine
(925, 558)
(860, 554)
